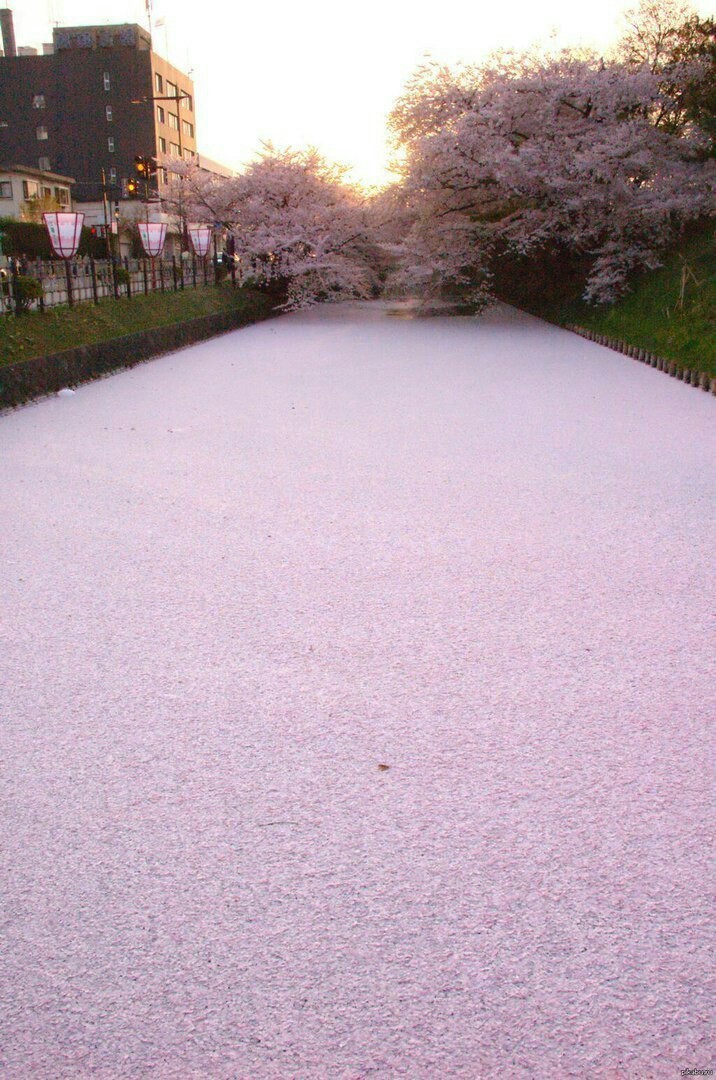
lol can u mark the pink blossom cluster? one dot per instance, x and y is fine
(569, 153)
(566, 151)
(292, 219)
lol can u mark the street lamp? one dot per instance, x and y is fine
(177, 97)
(152, 234)
(65, 229)
(167, 97)
(200, 236)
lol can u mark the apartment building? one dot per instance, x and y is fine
(95, 98)
(22, 186)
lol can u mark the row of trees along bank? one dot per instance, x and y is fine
(592, 165)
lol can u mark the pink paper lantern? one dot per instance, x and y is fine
(201, 238)
(152, 234)
(65, 229)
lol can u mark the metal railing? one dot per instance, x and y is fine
(92, 280)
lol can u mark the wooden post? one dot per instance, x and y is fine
(68, 275)
(41, 279)
(93, 272)
(13, 280)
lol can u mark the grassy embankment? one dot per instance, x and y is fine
(670, 312)
(44, 333)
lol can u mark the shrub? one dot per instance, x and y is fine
(31, 239)
(121, 276)
(25, 291)
(26, 238)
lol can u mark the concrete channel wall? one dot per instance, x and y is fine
(42, 375)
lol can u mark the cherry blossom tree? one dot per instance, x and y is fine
(653, 33)
(529, 153)
(680, 47)
(294, 221)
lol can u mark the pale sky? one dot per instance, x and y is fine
(319, 72)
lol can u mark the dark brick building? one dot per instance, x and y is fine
(74, 109)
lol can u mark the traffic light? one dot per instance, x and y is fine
(132, 189)
(145, 166)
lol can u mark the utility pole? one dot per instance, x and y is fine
(177, 98)
(105, 210)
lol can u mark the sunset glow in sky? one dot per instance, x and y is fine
(319, 73)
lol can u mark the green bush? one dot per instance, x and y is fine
(25, 238)
(31, 239)
(25, 290)
(122, 275)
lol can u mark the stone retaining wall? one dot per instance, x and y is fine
(41, 375)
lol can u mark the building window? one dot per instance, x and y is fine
(30, 189)
(171, 88)
(110, 144)
(62, 196)
(47, 193)
(105, 79)
(187, 103)
(162, 145)
(158, 83)
(44, 164)
(38, 101)
(41, 133)
(5, 189)
(160, 114)
(165, 175)
(187, 128)
(173, 121)
(174, 149)
(108, 113)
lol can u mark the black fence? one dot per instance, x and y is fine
(83, 280)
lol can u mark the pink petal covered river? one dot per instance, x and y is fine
(356, 679)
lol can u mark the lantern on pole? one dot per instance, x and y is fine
(65, 229)
(152, 234)
(200, 236)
